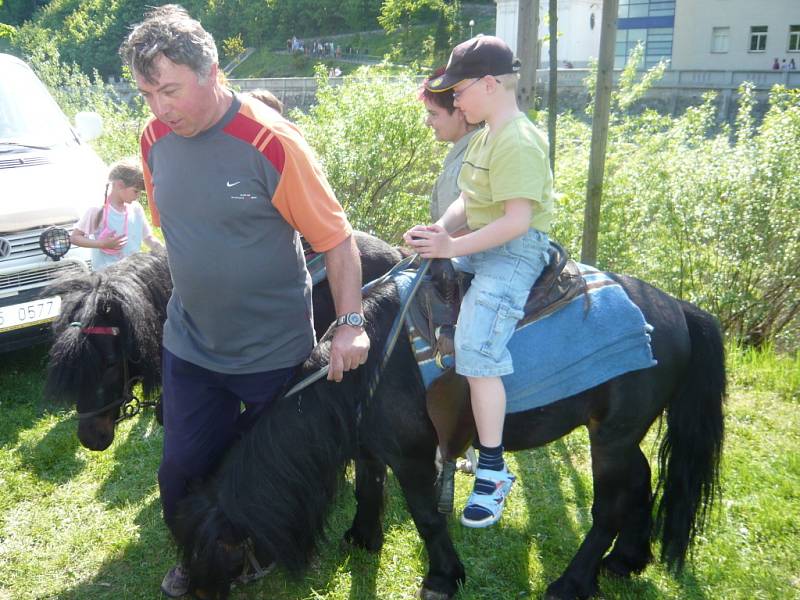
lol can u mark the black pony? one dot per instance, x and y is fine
(107, 336)
(109, 333)
(275, 488)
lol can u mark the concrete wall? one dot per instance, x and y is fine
(695, 20)
(676, 91)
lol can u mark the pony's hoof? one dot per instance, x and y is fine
(617, 566)
(565, 589)
(426, 594)
(371, 543)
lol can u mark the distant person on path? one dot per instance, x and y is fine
(792, 65)
(503, 213)
(231, 183)
(784, 65)
(118, 228)
(776, 66)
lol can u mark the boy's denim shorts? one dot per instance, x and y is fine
(495, 301)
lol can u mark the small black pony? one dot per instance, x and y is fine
(275, 487)
(109, 333)
(108, 336)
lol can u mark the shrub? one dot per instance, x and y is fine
(379, 157)
(707, 213)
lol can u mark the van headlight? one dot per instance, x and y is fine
(54, 242)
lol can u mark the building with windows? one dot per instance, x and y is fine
(578, 27)
(649, 22)
(732, 35)
(703, 35)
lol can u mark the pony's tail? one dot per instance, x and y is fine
(690, 452)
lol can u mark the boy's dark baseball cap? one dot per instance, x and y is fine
(477, 57)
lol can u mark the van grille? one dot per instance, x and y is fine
(25, 161)
(25, 244)
(33, 278)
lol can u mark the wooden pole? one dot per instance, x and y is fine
(552, 95)
(600, 116)
(527, 51)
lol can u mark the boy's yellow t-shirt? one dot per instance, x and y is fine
(513, 163)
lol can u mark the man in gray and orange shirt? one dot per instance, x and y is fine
(231, 183)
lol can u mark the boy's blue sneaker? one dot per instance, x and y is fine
(485, 504)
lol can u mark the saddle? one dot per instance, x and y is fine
(434, 310)
(434, 313)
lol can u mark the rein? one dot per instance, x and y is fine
(391, 340)
(129, 404)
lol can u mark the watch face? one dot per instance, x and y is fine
(355, 319)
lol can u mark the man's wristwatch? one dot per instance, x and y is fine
(353, 319)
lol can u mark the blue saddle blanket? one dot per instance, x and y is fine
(565, 352)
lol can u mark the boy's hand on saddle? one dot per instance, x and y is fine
(430, 241)
(349, 350)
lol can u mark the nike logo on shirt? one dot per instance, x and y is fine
(229, 184)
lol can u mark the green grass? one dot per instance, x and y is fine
(81, 525)
(266, 63)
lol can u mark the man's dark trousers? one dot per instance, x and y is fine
(202, 416)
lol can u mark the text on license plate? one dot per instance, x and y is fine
(29, 313)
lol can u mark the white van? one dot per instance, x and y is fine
(49, 176)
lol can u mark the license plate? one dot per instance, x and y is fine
(30, 313)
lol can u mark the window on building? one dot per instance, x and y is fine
(794, 38)
(657, 45)
(720, 37)
(758, 38)
(630, 9)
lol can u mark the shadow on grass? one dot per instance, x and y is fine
(551, 525)
(53, 458)
(137, 571)
(138, 456)
(21, 382)
(560, 531)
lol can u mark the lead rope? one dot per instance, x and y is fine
(400, 266)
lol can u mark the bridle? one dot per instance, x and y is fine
(129, 404)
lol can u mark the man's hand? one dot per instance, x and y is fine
(349, 350)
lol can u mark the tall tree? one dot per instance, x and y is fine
(527, 51)
(552, 95)
(600, 115)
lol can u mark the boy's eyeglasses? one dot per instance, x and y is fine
(457, 94)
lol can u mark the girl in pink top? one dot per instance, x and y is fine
(119, 227)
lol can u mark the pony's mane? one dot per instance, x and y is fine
(268, 490)
(133, 293)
